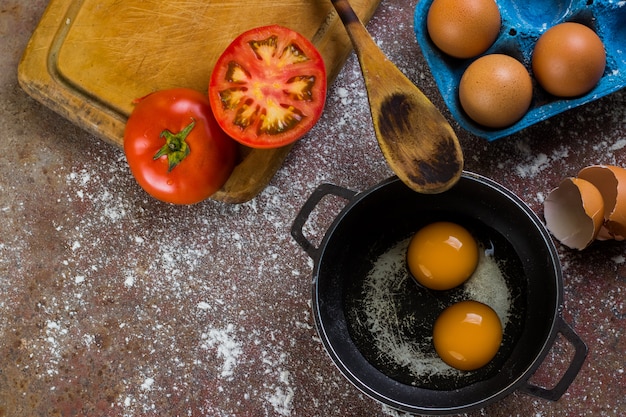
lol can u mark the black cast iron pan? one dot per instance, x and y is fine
(376, 323)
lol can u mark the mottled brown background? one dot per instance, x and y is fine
(114, 304)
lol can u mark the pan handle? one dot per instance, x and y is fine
(298, 224)
(580, 353)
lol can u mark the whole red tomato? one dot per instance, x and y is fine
(268, 88)
(175, 149)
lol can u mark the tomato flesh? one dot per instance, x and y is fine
(175, 149)
(268, 88)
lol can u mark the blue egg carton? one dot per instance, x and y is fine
(522, 24)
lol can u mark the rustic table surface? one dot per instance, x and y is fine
(114, 304)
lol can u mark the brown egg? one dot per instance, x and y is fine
(574, 212)
(496, 90)
(568, 59)
(463, 28)
(611, 182)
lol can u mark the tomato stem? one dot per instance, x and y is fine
(175, 148)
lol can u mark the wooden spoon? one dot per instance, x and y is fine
(416, 140)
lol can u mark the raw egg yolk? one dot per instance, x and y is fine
(442, 255)
(467, 335)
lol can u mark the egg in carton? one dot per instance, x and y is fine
(522, 24)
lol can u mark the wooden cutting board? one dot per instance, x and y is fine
(88, 60)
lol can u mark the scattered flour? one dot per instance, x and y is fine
(202, 305)
(227, 348)
(619, 259)
(178, 268)
(147, 384)
(537, 163)
(620, 144)
(283, 395)
(388, 411)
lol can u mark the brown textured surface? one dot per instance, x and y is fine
(114, 304)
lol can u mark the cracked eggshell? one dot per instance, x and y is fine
(611, 182)
(574, 212)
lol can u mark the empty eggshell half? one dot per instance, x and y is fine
(611, 182)
(574, 212)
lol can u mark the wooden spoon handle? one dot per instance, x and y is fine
(360, 37)
(377, 68)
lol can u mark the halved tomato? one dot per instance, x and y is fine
(268, 88)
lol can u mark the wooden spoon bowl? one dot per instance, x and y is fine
(416, 140)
